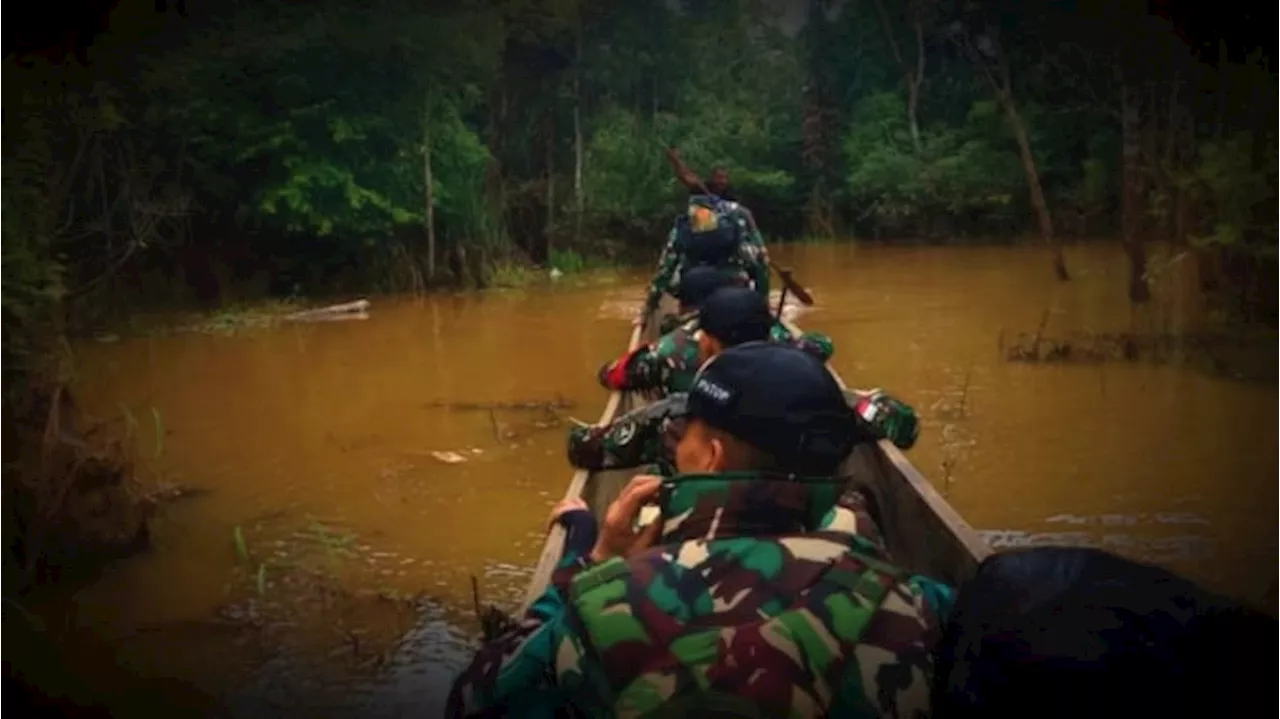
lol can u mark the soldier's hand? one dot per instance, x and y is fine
(602, 375)
(637, 321)
(566, 506)
(618, 537)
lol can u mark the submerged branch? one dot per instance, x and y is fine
(532, 405)
(1236, 355)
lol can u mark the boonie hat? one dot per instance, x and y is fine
(778, 399)
(735, 315)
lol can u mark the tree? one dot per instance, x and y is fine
(986, 53)
(912, 70)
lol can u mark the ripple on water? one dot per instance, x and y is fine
(1144, 543)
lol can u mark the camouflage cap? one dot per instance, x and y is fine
(698, 283)
(735, 315)
(778, 399)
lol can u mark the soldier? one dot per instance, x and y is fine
(668, 365)
(712, 233)
(763, 589)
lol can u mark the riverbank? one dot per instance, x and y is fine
(266, 312)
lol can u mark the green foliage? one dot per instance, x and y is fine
(625, 168)
(568, 261)
(1226, 180)
(31, 258)
(961, 172)
(511, 275)
(303, 136)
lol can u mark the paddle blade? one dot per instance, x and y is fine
(794, 287)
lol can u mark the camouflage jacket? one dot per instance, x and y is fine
(815, 343)
(751, 263)
(649, 435)
(740, 604)
(670, 363)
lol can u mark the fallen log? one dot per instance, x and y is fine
(331, 312)
(335, 318)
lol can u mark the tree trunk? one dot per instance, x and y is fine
(913, 76)
(551, 180)
(913, 99)
(1223, 64)
(429, 181)
(653, 115)
(816, 127)
(914, 82)
(1038, 202)
(1150, 164)
(814, 157)
(579, 198)
(1131, 193)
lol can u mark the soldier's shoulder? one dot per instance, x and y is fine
(893, 657)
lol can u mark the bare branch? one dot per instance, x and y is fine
(888, 33)
(919, 78)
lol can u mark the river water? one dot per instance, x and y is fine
(328, 527)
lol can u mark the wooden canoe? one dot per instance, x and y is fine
(923, 532)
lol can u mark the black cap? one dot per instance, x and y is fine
(735, 315)
(697, 283)
(779, 399)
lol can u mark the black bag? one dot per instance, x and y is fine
(707, 235)
(1074, 632)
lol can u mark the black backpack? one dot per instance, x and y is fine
(716, 247)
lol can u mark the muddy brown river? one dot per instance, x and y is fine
(355, 475)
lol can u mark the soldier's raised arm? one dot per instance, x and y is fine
(687, 177)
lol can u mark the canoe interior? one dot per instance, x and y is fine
(923, 532)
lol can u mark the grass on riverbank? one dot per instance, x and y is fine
(566, 269)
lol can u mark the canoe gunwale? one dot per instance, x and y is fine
(554, 547)
(969, 542)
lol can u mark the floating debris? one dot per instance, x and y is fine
(449, 457)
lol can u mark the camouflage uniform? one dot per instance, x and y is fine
(670, 363)
(737, 607)
(815, 343)
(649, 435)
(751, 264)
